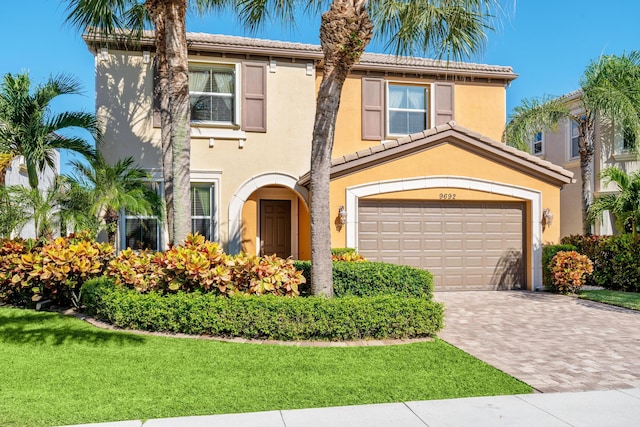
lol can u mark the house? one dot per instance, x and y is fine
(613, 147)
(417, 177)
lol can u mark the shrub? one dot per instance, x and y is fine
(548, 252)
(346, 254)
(568, 271)
(616, 260)
(373, 278)
(54, 271)
(264, 317)
(203, 266)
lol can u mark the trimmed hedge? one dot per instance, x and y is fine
(616, 260)
(548, 252)
(368, 279)
(265, 316)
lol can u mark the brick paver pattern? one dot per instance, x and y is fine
(551, 342)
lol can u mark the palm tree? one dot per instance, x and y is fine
(109, 18)
(625, 204)
(451, 29)
(109, 189)
(30, 129)
(609, 89)
(40, 206)
(12, 215)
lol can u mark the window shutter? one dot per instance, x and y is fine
(156, 95)
(254, 96)
(372, 109)
(443, 102)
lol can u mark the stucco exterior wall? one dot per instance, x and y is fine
(481, 107)
(478, 106)
(124, 88)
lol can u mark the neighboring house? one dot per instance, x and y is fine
(17, 175)
(613, 147)
(447, 198)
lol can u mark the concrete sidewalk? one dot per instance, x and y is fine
(592, 408)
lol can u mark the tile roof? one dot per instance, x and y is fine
(412, 143)
(217, 42)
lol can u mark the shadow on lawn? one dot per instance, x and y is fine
(51, 329)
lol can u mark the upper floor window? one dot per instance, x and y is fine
(212, 94)
(537, 144)
(202, 210)
(628, 139)
(408, 109)
(624, 140)
(574, 139)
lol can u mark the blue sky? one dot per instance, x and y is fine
(547, 42)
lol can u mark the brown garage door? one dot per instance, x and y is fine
(466, 245)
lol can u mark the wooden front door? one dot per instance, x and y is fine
(275, 227)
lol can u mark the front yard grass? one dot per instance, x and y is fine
(59, 370)
(621, 299)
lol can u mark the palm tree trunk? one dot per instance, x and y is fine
(178, 67)
(345, 31)
(586, 149)
(161, 91)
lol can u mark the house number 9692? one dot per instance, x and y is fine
(447, 196)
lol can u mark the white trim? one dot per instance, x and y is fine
(353, 194)
(244, 192)
(430, 104)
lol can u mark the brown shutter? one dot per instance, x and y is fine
(156, 95)
(254, 96)
(443, 102)
(372, 109)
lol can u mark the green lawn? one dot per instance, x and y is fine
(622, 299)
(59, 370)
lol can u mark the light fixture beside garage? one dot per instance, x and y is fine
(547, 217)
(342, 214)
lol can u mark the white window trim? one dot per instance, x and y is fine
(570, 143)
(431, 105)
(213, 178)
(237, 93)
(533, 142)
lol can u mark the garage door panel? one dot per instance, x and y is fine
(466, 245)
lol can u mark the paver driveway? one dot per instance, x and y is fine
(551, 342)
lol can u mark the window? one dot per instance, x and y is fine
(212, 94)
(142, 232)
(537, 143)
(407, 109)
(624, 140)
(628, 139)
(203, 210)
(574, 138)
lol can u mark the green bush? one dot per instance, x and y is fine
(265, 316)
(373, 279)
(342, 251)
(548, 252)
(616, 260)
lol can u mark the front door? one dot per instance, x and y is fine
(275, 227)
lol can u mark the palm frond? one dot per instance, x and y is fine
(532, 116)
(450, 29)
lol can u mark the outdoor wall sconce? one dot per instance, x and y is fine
(146, 56)
(342, 214)
(547, 217)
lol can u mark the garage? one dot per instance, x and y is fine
(466, 245)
